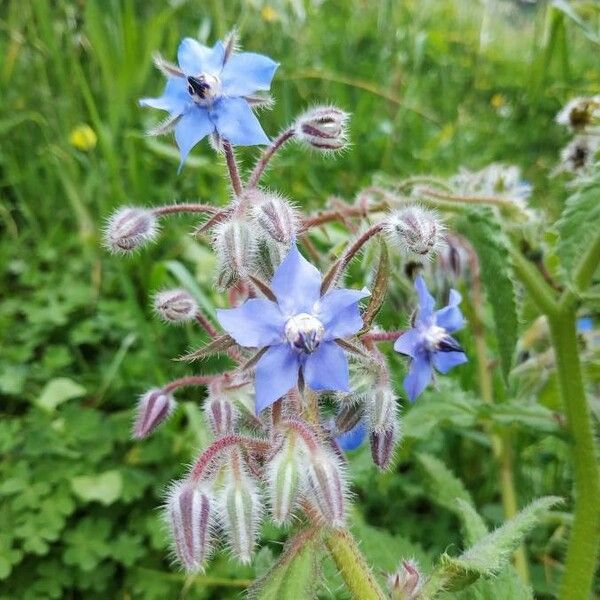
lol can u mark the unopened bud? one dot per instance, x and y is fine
(284, 481)
(129, 228)
(175, 306)
(327, 486)
(579, 113)
(348, 417)
(268, 256)
(323, 128)
(414, 230)
(381, 408)
(235, 246)
(241, 512)
(382, 445)
(221, 415)
(153, 408)
(275, 216)
(189, 514)
(406, 582)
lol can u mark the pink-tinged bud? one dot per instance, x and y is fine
(406, 582)
(175, 306)
(323, 128)
(382, 445)
(285, 477)
(153, 408)
(415, 230)
(381, 408)
(235, 246)
(129, 228)
(189, 514)
(221, 415)
(241, 511)
(327, 486)
(275, 216)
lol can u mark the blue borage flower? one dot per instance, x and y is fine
(207, 94)
(352, 439)
(299, 331)
(428, 343)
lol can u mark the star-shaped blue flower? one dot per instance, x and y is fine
(208, 94)
(429, 343)
(299, 329)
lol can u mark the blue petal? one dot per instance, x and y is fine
(175, 98)
(585, 324)
(236, 122)
(254, 324)
(338, 311)
(444, 361)
(450, 317)
(247, 73)
(408, 342)
(190, 129)
(419, 375)
(196, 59)
(327, 368)
(296, 283)
(350, 440)
(276, 374)
(426, 301)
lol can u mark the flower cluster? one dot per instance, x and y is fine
(309, 382)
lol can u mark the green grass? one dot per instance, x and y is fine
(432, 86)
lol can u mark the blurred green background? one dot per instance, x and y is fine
(432, 85)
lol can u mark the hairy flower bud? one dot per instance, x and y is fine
(129, 228)
(235, 245)
(153, 408)
(406, 582)
(327, 486)
(241, 511)
(284, 480)
(323, 128)
(175, 306)
(221, 415)
(414, 230)
(189, 514)
(383, 443)
(381, 408)
(275, 216)
(578, 114)
(268, 256)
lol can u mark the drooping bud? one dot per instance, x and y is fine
(383, 443)
(221, 415)
(323, 128)
(285, 480)
(406, 582)
(415, 230)
(241, 511)
(327, 486)
(235, 245)
(189, 514)
(275, 216)
(381, 408)
(578, 114)
(175, 306)
(129, 228)
(153, 408)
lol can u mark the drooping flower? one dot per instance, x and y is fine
(209, 93)
(429, 343)
(298, 330)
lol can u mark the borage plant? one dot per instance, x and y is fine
(311, 380)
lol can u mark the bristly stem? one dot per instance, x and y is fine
(340, 213)
(267, 155)
(190, 380)
(171, 209)
(232, 167)
(203, 321)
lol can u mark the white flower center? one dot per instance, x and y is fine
(433, 336)
(304, 332)
(204, 88)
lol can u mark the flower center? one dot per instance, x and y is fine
(304, 332)
(436, 339)
(204, 88)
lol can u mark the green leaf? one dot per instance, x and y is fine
(481, 227)
(57, 391)
(104, 488)
(577, 224)
(444, 486)
(474, 526)
(294, 575)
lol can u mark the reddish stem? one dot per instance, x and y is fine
(304, 431)
(340, 214)
(382, 336)
(190, 380)
(206, 324)
(264, 160)
(170, 209)
(232, 167)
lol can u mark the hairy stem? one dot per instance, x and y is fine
(234, 174)
(191, 380)
(267, 155)
(352, 566)
(171, 209)
(341, 213)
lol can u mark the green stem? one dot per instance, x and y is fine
(352, 566)
(584, 541)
